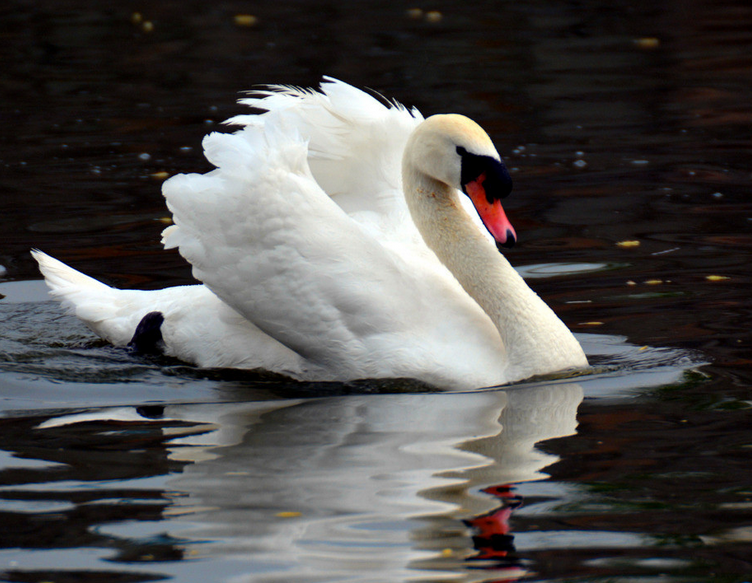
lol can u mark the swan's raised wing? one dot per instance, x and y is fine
(355, 145)
(266, 239)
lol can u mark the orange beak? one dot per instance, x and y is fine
(491, 213)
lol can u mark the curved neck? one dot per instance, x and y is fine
(536, 340)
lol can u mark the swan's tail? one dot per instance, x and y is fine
(111, 313)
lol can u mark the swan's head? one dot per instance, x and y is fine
(456, 151)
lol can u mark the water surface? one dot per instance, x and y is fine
(621, 123)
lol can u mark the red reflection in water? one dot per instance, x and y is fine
(493, 540)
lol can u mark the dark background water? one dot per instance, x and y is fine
(621, 121)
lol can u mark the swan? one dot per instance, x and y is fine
(338, 238)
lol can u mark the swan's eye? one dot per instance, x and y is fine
(497, 182)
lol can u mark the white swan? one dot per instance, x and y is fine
(336, 239)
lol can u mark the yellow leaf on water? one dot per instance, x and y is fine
(245, 20)
(716, 277)
(647, 43)
(591, 323)
(288, 514)
(654, 282)
(628, 244)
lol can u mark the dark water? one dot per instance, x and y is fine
(626, 121)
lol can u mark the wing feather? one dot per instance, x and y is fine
(355, 144)
(266, 239)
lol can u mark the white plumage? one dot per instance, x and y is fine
(311, 261)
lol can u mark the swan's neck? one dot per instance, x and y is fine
(535, 339)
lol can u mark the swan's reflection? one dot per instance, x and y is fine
(368, 488)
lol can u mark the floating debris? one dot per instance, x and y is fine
(289, 514)
(654, 282)
(647, 43)
(147, 26)
(136, 18)
(434, 16)
(414, 13)
(627, 244)
(160, 175)
(165, 220)
(716, 277)
(245, 20)
(591, 323)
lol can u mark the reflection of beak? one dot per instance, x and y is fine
(491, 213)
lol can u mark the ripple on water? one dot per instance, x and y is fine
(546, 270)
